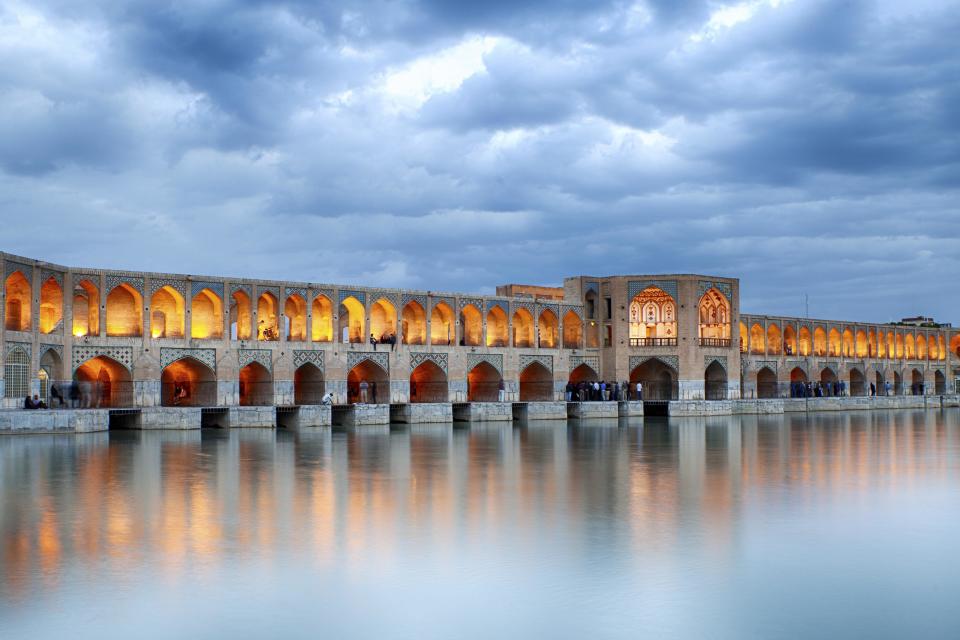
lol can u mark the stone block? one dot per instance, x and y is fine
(421, 412)
(483, 412)
(175, 418)
(587, 410)
(256, 417)
(539, 411)
(316, 415)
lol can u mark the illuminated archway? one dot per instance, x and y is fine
(536, 383)
(773, 339)
(267, 317)
(916, 386)
(321, 324)
(932, 349)
(827, 378)
(835, 343)
(428, 383)
(308, 385)
(572, 330)
(124, 312)
(295, 310)
(86, 309)
(861, 344)
(548, 328)
(659, 380)
(714, 312)
(583, 373)
(766, 383)
(414, 323)
(899, 346)
(256, 385)
(955, 345)
(188, 383)
(744, 338)
(921, 347)
(378, 383)
(167, 315)
(653, 316)
(872, 344)
(715, 382)
(848, 343)
(757, 340)
(471, 326)
(891, 345)
(103, 382)
(909, 347)
(897, 383)
(819, 341)
(442, 328)
(497, 328)
(241, 316)
(206, 316)
(522, 328)
(798, 383)
(351, 321)
(51, 305)
(789, 341)
(483, 383)
(805, 341)
(17, 308)
(383, 320)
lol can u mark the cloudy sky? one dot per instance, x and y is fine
(804, 146)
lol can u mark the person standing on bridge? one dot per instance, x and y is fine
(639, 390)
(501, 391)
(363, 391)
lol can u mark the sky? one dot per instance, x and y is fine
(810, 148)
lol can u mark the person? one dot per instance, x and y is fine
(364, 388)
(639, 390)
(373, 391)
(568, 391)
(327, 399)
(603, 390)
(373, 341)
(873, 389)
(176, 393)
(501, 391)
(596, 391)
(74, 394)
(28, 403)
(887, 387)
(55, 394)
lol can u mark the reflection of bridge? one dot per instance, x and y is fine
(106, 339)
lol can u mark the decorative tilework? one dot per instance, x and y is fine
(26, 347)
(326, 293)
(379, 358)
(302, 357)
(25, 269)
(576, 308)
(495, 360)
(527, 360)
(833, 366)
(529, 306)
(721, 360)
(419, 299)
(756, 365)
(503, 304)
(386, 295)
(418, 358)
(263, 356)
(591, 286)
(300, 291)
(169, 355)
(123, 355)
(476, 302)
(56, 348)
(175, 284)
(447, 300)
(636, 286)
(46, 274)
(553, 308)
(591, 361)
(723, 287)
(114, 281)
(199, 285)
(361, 296)
(274, 291)
(671, 361)
(245, 288)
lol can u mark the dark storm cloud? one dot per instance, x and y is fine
(806, 146)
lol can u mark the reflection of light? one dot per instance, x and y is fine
(79, 333)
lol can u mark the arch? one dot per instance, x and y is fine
(104, 383)
(321, 326)
(268, 308)
(498, 332)
(715, 382)
(17, 308)
(899, 346)
(861, 344)
(872, 344)
(206, 316)
(583, 373)
(483, 383)
(428, 383)
(383, 320)
(757, 340)
(471, 326)
(834, 343)
(766, 383)
(442, 327)
(295, 310)
(256, 385)
(805, 341)
(932, 348)
(881, 349)
(51, 372)
(858, 381)
(744, 338)
(308, 384)
(572, 330)
(909, 347)
(942, 348)
(16, 373)
(414, 323)
(790, 346)
(848, 343)
(378, 383)
(166, 313)
(819, 341)
(916, 382)
(241, 316)
(659, 380)
(773, 339)
(51, 305)
(827, 378)
(187, 382)
(124, 312)
(351, 321)
(879, 384)
(798, 383)
(86, 309)
(714, 313)
(891, 345)
(522, 328)
(921, 347)
(548, 330)
(536, 383)
(939, 383)
(653, 314)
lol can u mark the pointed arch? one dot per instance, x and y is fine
(17, 307)
(921, 347)
(653, 315)
(773, 339)
(241, 316)
(899, 346)
(757, 340)
(767, 383)
(377, 381)
(955, 345)
(536, 383)
(187, 382)
(548, 330)
(167, 313)
(413, 323)
(309, 385)
(124, 311)
(861, 345)
(790, 347)
(714, 312)
(428, 383)
(206, 315)
(104, 383)
(442, 326)
(351, 321)
(659, 380)
(932, 349)
(295, 311)
(939, 383)
(86, 309)
(572, 330)
(256, 385)
(819, 341)
(522, 328)
(744, 338)
(268, 317)
(805, 341)
(471, 326)
(383, 319)
(909, 347)
(483, 383)
(835, 343)
(891, 345)
(583, 373)
(857, 383)
(51, 372)
(16, 373)
(322, 321)
(715, 381)
(51, 305)
(872, 344)
(498, 332)
(916, 382)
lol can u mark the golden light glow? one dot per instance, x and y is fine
(714, 311)
(124, 311)
(653, 314)
(17, 311)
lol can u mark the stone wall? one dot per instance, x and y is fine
(242, 417)
(54, 421)
(176, 418)
(483, 412)
(539, 411)
(586, 410)
(422, 412)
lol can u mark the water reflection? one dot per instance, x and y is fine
(682, 509)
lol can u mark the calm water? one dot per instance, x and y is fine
(830, 526)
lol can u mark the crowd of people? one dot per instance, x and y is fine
(386, 338)
(838, 388)
(602, 390)
(75, 395)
